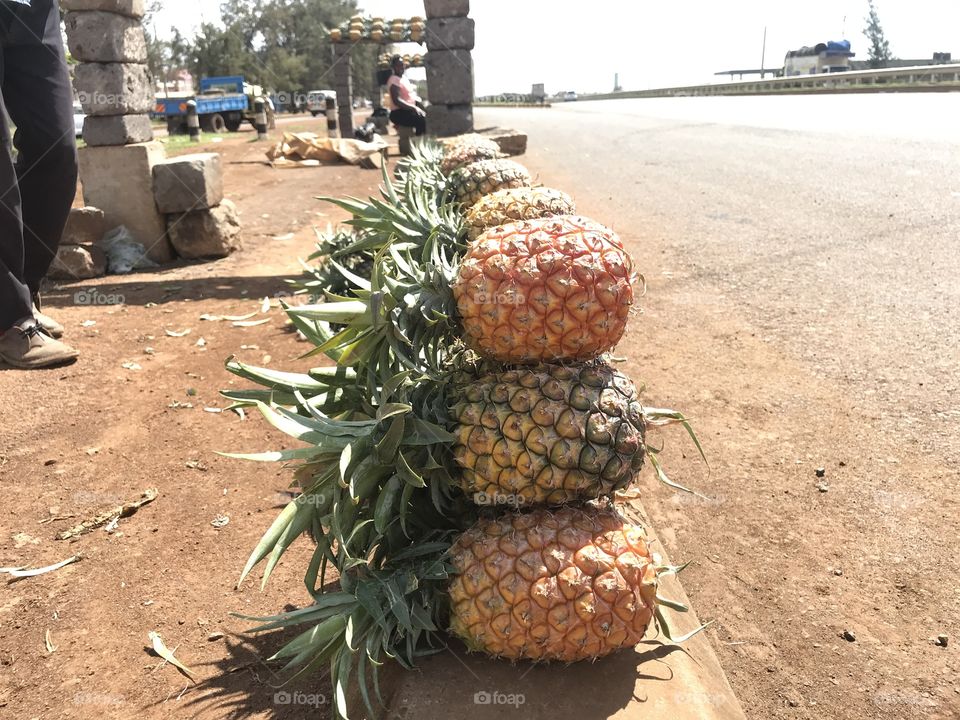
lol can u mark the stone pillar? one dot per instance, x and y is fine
(449, 38)
(343, 84)
(116, 93)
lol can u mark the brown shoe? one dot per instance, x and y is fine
(26, 345)
(50, 326)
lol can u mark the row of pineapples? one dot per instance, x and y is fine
(415, 60)
(462, 455)
(379, 30)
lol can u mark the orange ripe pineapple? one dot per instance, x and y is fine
(569, 584)
(553, 289)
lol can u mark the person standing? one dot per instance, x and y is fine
(36, 191)
(406, 104)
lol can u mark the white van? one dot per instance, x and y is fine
(317, 101)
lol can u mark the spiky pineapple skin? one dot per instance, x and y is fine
(546, 290)
(513, 204)
(547, 434)
(471, 182)
(567, 585)
(466, 149)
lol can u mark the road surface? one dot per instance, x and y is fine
(803, 262)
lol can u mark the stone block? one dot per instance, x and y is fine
(188, 182)
(449, 77)
(85, 226)
(118, 179)
(446, 8)
(452, 33)
(447, 120)
(117, 129)
(114, 88)
(105, 37)
(130, 8)
(511, 142)
(214, 232)
(78, 262)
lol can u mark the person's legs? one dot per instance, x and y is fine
(408, 118)
(14, 294)
(36, 89)
(36, 193)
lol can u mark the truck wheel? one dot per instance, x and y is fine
(175, 125)
(216, 123)
(233, 123)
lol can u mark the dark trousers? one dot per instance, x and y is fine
(37, 191)
(408, 118)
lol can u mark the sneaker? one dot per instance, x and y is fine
(50, 326)
(26, 345)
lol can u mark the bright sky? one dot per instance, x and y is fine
(559, 43)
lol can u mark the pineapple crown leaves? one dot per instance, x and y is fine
(421, 168)
(389, 613)
(374, 479)
(403, 318)
(417, 213)
(659, 417)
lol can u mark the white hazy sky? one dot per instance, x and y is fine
(579, 46)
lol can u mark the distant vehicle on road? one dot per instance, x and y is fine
(223, 103)
(569, 95)
(317, 101)
(78, 117)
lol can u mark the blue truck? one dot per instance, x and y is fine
(223, 103)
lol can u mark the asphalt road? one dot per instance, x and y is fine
(802, 256)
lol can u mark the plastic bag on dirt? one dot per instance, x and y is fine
(124, 254)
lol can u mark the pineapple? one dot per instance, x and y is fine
(467, 149)
(547, 435)
(568, 585)
(511, 204)
(548, 290)
(471, 182)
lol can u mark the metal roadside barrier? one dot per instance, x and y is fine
(918, 78)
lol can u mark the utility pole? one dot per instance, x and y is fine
(763, 53)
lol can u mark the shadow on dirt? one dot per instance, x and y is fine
(139, 291)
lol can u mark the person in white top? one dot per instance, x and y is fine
(407, 109)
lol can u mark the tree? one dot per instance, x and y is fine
(279, 44)
(879, 52)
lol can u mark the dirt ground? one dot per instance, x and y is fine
(783, 567)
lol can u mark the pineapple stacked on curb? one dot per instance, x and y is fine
(461, 457)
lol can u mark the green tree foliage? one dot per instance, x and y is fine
(279, 44)
(878, 54)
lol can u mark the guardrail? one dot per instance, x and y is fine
(921, 78)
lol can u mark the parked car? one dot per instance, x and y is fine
(317, 101)
(569, 95)
(78, 117)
